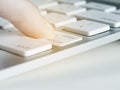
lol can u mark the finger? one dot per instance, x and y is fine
(26, 18)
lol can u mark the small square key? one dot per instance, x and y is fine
(64, 39)
(59, 20)
(42, 4)
(73, 2)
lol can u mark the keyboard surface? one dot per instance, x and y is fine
(80, 25)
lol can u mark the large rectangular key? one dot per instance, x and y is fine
(66, 9)
(112, 19)
(100, 6)
(22, 45)
(87, 27)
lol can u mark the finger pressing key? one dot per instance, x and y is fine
(25, 16)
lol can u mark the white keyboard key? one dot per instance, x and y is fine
(42, 4)
(87, 27)
(73, 2)
(117, 12)
(66, 9)
(63, 39)
(100, 6)
(4, 24)
(22, 45)
(59, 20)
(112, 19)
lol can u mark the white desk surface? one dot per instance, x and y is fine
(97, 69)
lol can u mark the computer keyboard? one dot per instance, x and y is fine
(75, 21)
(79, 26)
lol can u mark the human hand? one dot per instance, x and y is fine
(26, 18)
